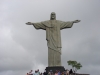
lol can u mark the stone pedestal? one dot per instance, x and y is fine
(54, 68)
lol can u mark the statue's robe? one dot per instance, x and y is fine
(53, 37)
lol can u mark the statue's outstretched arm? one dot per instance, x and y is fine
(38, 25)
(29, 23)
(76, 21)
(68, 24)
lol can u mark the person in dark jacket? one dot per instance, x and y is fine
(70, 72)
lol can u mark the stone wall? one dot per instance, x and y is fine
(80, 74)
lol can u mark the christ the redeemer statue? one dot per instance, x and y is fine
(53, 37)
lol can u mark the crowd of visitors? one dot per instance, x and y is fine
(37, 72)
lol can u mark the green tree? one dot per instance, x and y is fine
(75, 65)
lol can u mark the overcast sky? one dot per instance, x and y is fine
(23, 48)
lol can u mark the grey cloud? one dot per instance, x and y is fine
(23, 48)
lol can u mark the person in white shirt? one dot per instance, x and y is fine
(67, 72)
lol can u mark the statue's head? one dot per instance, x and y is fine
(53, 16)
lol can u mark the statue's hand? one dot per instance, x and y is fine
(29, 23)
(76, 21)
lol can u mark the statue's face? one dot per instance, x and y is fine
(53, 15)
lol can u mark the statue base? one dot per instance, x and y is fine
(54, 68)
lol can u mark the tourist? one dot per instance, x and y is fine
(62, 73)
(70, 72)
(59, 73)
(31, 72)
(27, 74)
(45, 73)
(56, 73)
(67, 72)
(49, 73)
(38, 72)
